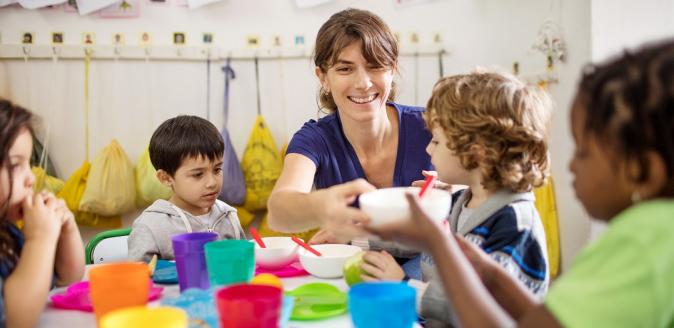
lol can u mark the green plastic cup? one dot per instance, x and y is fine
(230, 261)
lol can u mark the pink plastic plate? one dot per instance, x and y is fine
(76, 297)
(294, 269)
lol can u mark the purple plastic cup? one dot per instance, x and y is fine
(188, 249)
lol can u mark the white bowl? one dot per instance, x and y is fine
(331, 263)
(389, 205)
(280, 251)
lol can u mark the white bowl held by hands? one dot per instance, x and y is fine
(389, 205)
(280, 251)
(331, 262)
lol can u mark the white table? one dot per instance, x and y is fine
(52, 317)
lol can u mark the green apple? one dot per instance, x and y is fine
(352, 269)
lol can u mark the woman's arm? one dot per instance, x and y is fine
(293, 207)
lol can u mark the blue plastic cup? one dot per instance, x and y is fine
(188, 249)
(382, 304)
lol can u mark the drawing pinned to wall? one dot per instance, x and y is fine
(122, 9)
(6, 2)
(179, 38)
(27, 38)
(145, 39)
(277, 41)
(414, 38)
(70, 6)
(88, 38)
(57, 38)
(299, 40)
(310, 3)
(253, 41)
(437, 38)
(118, 39)
(35, 4)
(158, 2)
(207, 38)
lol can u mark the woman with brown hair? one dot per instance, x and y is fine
(366, 141)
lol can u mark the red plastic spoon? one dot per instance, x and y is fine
(257, 238)
(428, 183)
(306, 246)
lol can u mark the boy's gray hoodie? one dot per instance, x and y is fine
(509, 227)
(152, 231)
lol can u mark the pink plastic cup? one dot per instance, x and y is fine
(249, 306)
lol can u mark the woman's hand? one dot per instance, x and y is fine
(437, 185)
(326, 237)
(419, 232)
(381, 266)
(335, 212)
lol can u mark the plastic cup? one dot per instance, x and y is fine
(382, 304)
(249, 306)
(118, 285)
(230, 261)
(188, 249)
(143, 317)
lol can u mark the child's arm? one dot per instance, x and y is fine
(471, 300)
(26, 288)
(514, 297)
(69, 253)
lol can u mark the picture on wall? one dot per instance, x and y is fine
(122, 9)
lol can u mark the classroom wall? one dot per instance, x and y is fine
(130, 98)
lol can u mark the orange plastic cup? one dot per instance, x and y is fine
(118, 285)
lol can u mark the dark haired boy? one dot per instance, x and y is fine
(187, 153)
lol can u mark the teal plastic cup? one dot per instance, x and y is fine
(230, 261)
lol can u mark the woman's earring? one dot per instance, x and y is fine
(636, 197)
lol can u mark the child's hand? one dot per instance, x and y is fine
(381, 266)
(437, 185)
(419, 232)
(42, 220)
(62, 210)
(481, 261)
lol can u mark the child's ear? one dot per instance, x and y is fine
(656, 180)
(165, 178)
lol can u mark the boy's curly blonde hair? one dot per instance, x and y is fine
(507, 121)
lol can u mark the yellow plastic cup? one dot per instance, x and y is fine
(118, 285)
(143, 317)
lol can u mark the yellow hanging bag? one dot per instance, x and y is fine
(43, 181)
(264, 229)
(261, 165)
(547, 209)
(148, 187)
(111, 187)
(72, 192)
